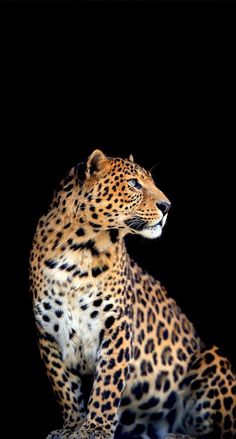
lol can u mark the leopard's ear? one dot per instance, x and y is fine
(131, 158)
(96, 161)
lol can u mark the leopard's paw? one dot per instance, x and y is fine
(60, 434)
(89, 435)
(84, 433)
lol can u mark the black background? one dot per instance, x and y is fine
(152, 79)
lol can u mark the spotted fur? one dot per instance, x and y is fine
(98, 313)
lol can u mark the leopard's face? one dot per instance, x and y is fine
(119, 194)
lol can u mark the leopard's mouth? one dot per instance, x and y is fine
(160, 223)
(145, 229)
(154, 226)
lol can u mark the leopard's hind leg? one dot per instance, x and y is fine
(210, 408)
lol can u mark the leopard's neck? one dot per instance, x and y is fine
(74, 248)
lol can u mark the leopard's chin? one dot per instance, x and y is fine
(152, 232)
(155, 230)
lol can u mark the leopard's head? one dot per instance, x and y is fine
(119, 194)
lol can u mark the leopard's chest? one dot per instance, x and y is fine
(75, 319)
(85, 325)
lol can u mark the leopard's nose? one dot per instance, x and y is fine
(164, 206)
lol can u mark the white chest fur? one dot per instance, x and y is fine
(75, 319)
(84, 326)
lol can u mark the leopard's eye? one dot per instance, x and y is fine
(134, 183)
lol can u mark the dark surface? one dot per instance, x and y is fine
(157, 83)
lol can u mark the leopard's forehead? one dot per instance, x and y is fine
(127, 167)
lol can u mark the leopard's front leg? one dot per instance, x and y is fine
(66, 386)
(109, 383)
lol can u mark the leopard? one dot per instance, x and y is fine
(100, 315)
